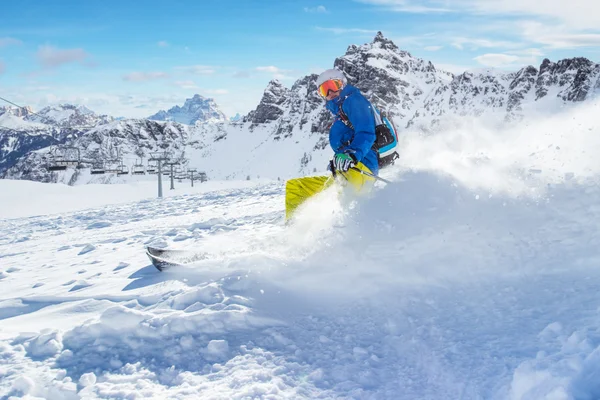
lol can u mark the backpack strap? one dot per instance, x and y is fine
(343, 117)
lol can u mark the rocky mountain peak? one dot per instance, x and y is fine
(384, 43)
(270, 106)
(388, 76)
(195, 109)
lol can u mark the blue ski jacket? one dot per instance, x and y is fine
(359, 137)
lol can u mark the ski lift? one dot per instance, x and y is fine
(113, 167)
(97, 168)
(124, 170)
(62, 158)
(202, 177)
(138, 169)
(178, 173)
(152, 166)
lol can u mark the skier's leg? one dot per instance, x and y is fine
(361, 183)
(298, 190)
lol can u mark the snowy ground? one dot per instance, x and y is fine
(475, 276)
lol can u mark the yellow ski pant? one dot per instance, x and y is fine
(298, 190)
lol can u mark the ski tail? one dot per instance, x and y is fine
(166, 258)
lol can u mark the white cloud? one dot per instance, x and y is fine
(216, 91)
(406, 6)
(557, 36)
(162, 43)
(278, 73)
(270, 68)
(51, 57)
(318, 9)
(186, 84)
(2, 67)
(568, 24)
(144, 76)
(7, 41)
(579, 14)
(433, 48)
(476, 43)
(531, 52)
(241, 74)
(341, 31)
(198, 69)
(496, 60)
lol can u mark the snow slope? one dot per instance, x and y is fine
(474, 276)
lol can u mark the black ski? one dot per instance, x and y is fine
(166, 258)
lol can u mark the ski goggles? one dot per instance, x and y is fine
(331, 85)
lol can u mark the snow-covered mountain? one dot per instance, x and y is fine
(69, 116)
(286, 134)
(125, 142)
(23, 131)
(289, 126)
(16, 111)
(195, 109)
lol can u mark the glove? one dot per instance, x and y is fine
(343, 161)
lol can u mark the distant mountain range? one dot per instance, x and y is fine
(286, 134)
(196, 109)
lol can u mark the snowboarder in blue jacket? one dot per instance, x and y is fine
(352, 134)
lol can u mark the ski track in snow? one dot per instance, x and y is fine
(426, 290)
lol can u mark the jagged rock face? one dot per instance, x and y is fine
(68, 116)
(391, 78)
(109, 145)
(271, 106)
(196, 109)
(576, 75)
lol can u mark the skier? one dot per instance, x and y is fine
(351, 136)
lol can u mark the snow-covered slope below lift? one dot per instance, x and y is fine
(379, 302)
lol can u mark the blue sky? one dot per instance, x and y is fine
(129, 58)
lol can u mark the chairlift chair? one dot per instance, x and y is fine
(97, 168)
(124, 170)
(138, 169)
(62, 158)
(152, 166)
(113, 167)
(56, 164)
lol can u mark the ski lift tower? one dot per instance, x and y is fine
(159, 158)
(172, 163)
(191, 172)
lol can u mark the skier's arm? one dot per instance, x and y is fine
(336, 133)
(360, 113)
